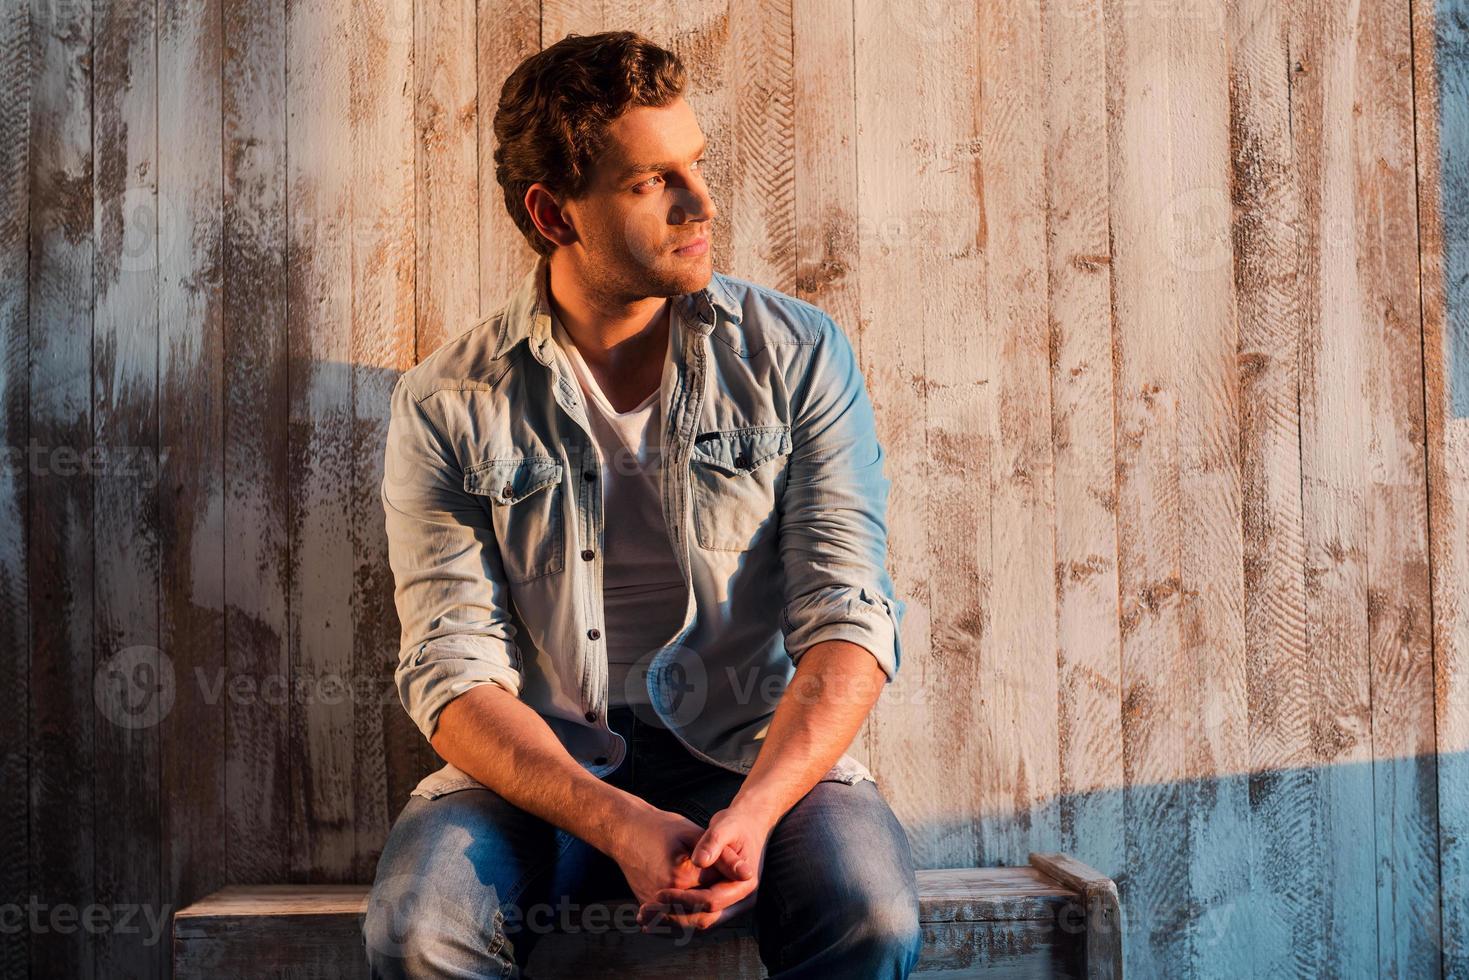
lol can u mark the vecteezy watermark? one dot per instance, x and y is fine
(408, 913)
(679, 686)
(138, 686)
(142, 463)
(123, 919)
(566, 916)
(135, 688)
(329, 688)
(684, 682)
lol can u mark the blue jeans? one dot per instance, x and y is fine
(468, 882)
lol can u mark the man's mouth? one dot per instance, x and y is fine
(696, 247)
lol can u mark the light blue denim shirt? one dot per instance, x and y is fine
(773, 492)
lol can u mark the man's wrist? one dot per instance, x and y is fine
(754, 805)
(620, 816)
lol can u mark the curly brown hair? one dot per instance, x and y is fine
(554, 110)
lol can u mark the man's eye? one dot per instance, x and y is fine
(649, 181)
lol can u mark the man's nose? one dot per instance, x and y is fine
(693, 205)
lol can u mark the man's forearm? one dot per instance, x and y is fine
(505, 745)
(834, 688)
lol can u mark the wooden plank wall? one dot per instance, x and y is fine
(1441, 93)
(1163, 308)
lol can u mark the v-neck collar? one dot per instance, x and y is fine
(589, 381)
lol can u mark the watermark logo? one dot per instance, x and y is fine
(135, 688)
(1196, 225)
(66, 918)
(680, 686)
(408, 914)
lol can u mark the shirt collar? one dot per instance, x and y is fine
(528, 313)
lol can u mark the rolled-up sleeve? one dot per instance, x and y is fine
(449, 583)
(833, 525)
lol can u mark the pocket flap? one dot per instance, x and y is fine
(507, 481)
(741, 450)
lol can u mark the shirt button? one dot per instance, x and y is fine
(591, 716)
(507, 491)
(594, 634)
(600, 760)
(742, 461)
(589, 475)
(588, 555)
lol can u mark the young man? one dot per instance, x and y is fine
(637, 523)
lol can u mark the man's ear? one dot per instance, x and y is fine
(550, 218)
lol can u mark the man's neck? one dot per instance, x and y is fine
(623, 342)
(612, 333)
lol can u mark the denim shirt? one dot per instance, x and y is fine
(773, 491)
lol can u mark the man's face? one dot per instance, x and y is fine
(646, 199)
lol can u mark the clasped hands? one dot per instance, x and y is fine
(685, 875)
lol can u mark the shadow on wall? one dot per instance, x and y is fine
(1329, 870)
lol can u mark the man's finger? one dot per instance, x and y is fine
(679, 903)
(699, 921)
(715, 840)
(734, 865)
(717, 896)
(682, 923)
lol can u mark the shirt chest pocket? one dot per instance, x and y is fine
(735, 484)
(524, 498)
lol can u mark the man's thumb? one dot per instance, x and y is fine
(709, 847)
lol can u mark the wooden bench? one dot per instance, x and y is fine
(1055, 918)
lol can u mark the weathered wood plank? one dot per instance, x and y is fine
(1441, 89)
(759, 140)
(979, 950)
(823, 110)
(308, 947)
(390, 754)
(1089, 721)
(1180, 551)
(955, 951)
(319, 303)
(1100, 907)
(1399, 624)
(1362, 437)
(1004, 921)
(1330, 422)
(1210, 651)
(509, 32)
(1017, 770)
(59, 555)
(191, 408)
(1155, 877)
(1287, 916)
(125, 434)
(917, 263)
(256, 476)
(446, 96)
(945, 895)
(17, 92)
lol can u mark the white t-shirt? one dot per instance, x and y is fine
(643, 589)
